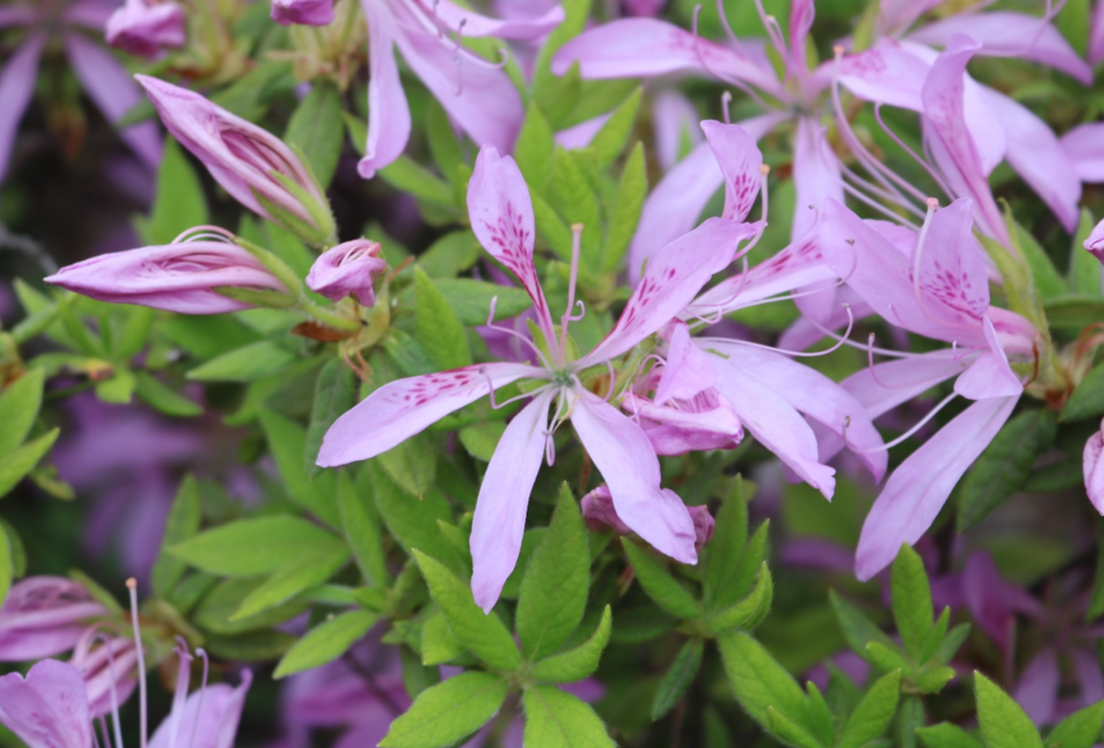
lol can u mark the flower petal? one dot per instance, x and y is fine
(17, 84)
(1084, 145)
(48, 709)
(625, 458)
(499, 521)
(1037, 690)
(401, 409)
(740, 160)
(919, 488)
(816, 175)
(474, 24)
(990, 375)
(208, 719)
(388, 112)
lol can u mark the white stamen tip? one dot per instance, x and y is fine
(932, 202)
(764, 169)
(838, 50)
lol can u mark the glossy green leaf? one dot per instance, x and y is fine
(438, 326)
(1084, 268)
(857, 629)
(287, 441)
(326, 642)
(182, 523)
(912, 604)
(316, 129)
(254, 546)
(438, 643)
(412, 465)
(611, 139)
(759, 681)
(19, 405)
(678, 678)
(163, 398)
(244, 364)
(179, 203)
(7, 564)
(663, 588)
(720, 558)
(16, 464)
(1087, 401)
(874, 713)
(412, 521)
(407, 175)
(789, 731)
(1048, 282)
(335, 393)
(534, 149)
(1004, 724)
(443, 143)
(362, 530)
(625, 215)
(1081, 729)
(214, 613)
(254, 646)
(300, 573)
(946, 735)
(481, 439)
(746, 613)
(556, 719)
(580, 662)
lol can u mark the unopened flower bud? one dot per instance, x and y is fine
(190, 277)
(43, 616)
(252, 164)
(146, 27)
(349, 268)
(303, 12)
(109, 666)
(599, 513)
(1094, 468)
(1095, 242)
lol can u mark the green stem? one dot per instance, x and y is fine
(329, 319)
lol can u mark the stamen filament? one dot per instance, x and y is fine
(576, 245)
(889, 445)
(132, 587)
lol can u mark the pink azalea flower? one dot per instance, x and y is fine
(349, 268)
(502, 218)
(147, 27)
(44, 616)
(477, 94)
(1094, 469)
(938, 288)
(600, 513)
(106, 81)
(304, 12)
(1096, 33)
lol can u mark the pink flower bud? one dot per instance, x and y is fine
(44, 616)
(252, 164)
(180, 277)
(599, 513)
(146, 27)
(1095, 242)
(1094, 468)
(109, 667)
(349, 268)
(303, 12)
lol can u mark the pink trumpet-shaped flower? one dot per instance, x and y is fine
(1094, 468)
(303, 12)
(146, 27)
(181, 277)
(502, 219)
(477, 94)
(252, 164)
(44, 616)
(349, 268)
(600, 513)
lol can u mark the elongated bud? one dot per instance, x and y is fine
(1095, 242)
(183, 277)
(303, 12)
(599, 513)
(252, 164)
(147, 27)
(348, 269)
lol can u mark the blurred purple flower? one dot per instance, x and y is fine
(348, 269)
(106, 81)
(44, 616)
(304, 12)
(1094, 468)
(147, 27)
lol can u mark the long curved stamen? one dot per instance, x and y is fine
(132, 587)
(870, 350)
(723, 15)
(889, 445)
(720, 76)
(842, 341)
(889, 193)
(576, 244)
(204, 233)
(774, 33)
(939, 180)
(721, 306)
(874, 204)
(490, 385)
(181, 694)
(612, 380)
(117, 729)
(792, 296)
(514, 333)
(202, 692)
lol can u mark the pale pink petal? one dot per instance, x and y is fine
(115, 93)
(919, 487)
(580, 135)
(1094, 469)
(1010, 34)
(499, 521)
(1096, 33)
(1089, 676)
(501, 216)
(813, 394)
(17, 84)
(388, 112)
(208, 719)
(1084, 146)
(48, 709)
(645, 47)
(952, 267)
(990, 375)
(92, 14)
(892, 383)
(898, 15)
(816, 175)
(740, 161)
(672, 278)
(17, 16)
(625, 458)
(403, 408)
(774, 422)
(686, 370)
(1034, 152)
(1037, 691)
(675, 121)
(887, 73)
(474, 24)
(802, 14)
(721, 420)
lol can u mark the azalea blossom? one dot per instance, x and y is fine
(305, 12)
(348, 269)
(106, 81)
(502, 219)
(937, 287)
(44, 616)
(147, 27)
(477, 94)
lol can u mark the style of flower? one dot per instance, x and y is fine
(348, 269)
(252, 164)
(477, 94)
(502, 219)
(147, 27)
(937, 287)
(106, 81)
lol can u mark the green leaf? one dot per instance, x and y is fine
(946, 735)
(759, 681)
(933, 679)
(576, 664)
(912, 604)
(19, 406)
(471, 299)
(18, 463)
(659, 584)
(910, 718)
(746, 613)
(449, 256)
(721, 558)
(287, 441)
(1003, 723)
(554, 588)
(534, 149)
(627, 205)
(254, 546)
(162, 398)
(316, 128)
(7, 564)
(326, 642)
(483, 635)
(874, 713)
(789, 731)
(443, 142)
(857, 629)
(179, 203)
(746, 569)
(215, 612)
(438, 326)
(1005, 464)
(362, 531)
(556, 719)
(552, 228)
(119, 389)
(412, 465)
(1087, 401)
(574, 198)
(609, 141)
(481, 439)
(1079, 730)
(253, 646)
(822, 722)
(407, 175)
(438, 643)
(335, 392)
(412, 521)
(301, 573)
(1074, 312)
(182, 523)
(1048, 282)
(678, 678)
(886, 658)
(244, 364)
